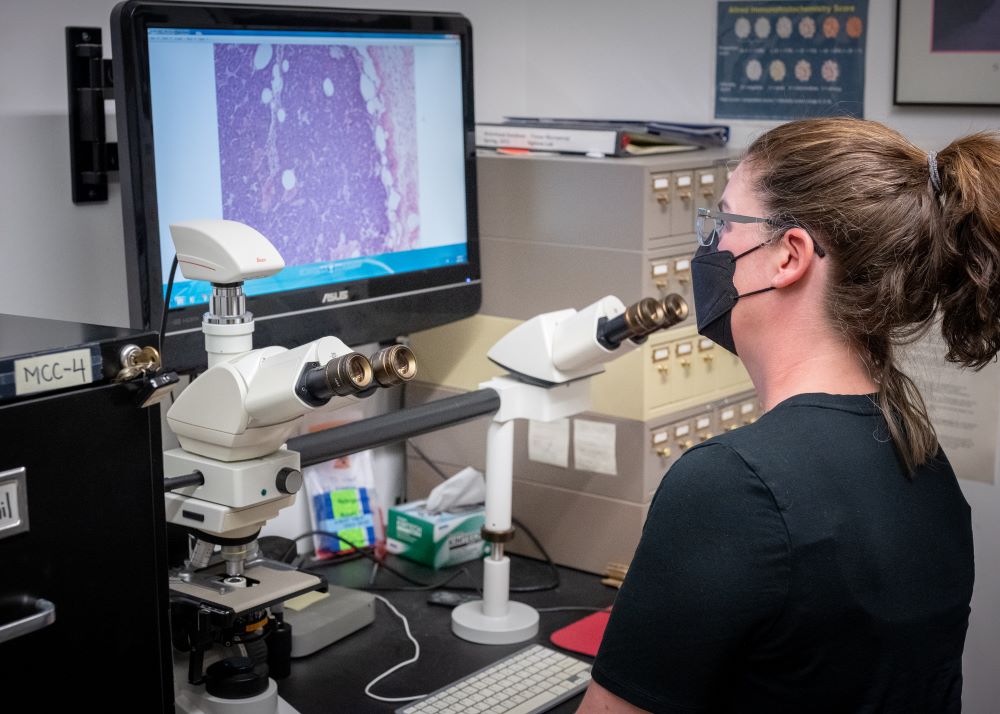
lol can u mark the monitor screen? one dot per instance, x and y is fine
(342, 136)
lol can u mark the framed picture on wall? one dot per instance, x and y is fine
(948, 52)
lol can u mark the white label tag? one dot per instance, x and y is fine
(680, 265)
(52, 371)
(661, 183)
(703, 423)
(659, 437)
(705, 344)
(661, 353)
(660, 268)
(684, 348)
(707, 179)
(9, 514)
(548, 442)
(746, 408)
(728, 414)
(682, 430)
(594, 447)
(683, 181)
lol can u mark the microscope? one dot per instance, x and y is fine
(550, 359)
(233, 472)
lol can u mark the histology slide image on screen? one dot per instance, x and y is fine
(318, 147)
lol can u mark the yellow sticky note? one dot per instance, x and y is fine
(301, 602)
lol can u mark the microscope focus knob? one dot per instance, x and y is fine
(289, 480)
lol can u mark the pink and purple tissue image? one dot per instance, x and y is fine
(318, 147)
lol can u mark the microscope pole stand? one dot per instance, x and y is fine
(496, 619)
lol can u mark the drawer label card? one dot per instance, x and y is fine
(52, 371)
(13, 502)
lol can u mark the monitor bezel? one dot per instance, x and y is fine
(377, 309)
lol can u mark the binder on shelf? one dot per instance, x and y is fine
(604, 137)
(590, 140)
(664, 131)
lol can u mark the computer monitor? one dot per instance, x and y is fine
(343, 136)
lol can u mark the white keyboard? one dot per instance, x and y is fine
(531, 680)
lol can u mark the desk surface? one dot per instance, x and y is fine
(333, 679)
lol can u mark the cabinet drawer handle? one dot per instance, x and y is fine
(44, 616)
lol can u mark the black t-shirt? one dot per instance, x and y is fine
(792, 566)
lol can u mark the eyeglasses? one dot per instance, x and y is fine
(710, 224)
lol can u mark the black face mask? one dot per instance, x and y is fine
(715, 294)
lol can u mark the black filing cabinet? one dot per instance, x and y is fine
(83, 574)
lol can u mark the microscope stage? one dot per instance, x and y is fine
(275, 583)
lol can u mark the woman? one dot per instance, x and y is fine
(820, 559)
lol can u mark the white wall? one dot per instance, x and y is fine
(638, 58)
(656, 59)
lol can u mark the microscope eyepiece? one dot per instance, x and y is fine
(394, 364)
(644, 317)
(342, 376)
(641, 319)
(675, 310)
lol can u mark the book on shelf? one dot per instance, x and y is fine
(605, 137)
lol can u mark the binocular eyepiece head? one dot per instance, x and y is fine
(354, 374)
(641, 319)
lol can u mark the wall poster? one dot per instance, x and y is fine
(779, 60)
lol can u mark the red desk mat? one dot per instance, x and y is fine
(584, 635)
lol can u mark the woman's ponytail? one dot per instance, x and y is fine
(969, 248)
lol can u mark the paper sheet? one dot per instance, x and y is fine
(594, 447)
(964, 407)
(548, 442)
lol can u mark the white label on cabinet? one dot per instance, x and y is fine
(52, 371)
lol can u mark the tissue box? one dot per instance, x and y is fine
(436, 539)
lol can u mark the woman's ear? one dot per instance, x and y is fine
(793, 257)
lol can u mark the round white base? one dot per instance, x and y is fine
(519, 624)
(191, 699)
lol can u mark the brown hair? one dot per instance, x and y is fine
(902, 249)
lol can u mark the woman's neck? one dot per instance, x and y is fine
(823, 363)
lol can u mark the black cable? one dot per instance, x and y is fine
(362, 550)
(166, 304)
(531, 536)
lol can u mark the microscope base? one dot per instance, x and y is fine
(191, 699)
(469, 622)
